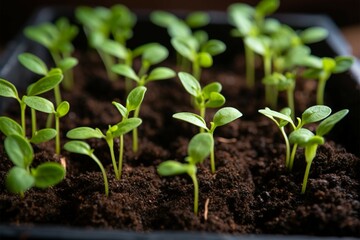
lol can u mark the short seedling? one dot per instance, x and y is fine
(199, 148)
(81, 147)
(310, 141)
(222, 116)
(57, 37)
(118, 130)
(321, 69)
(43, 105)
(22, 177)
(159, 73)
(207, 97)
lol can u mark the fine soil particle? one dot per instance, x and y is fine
(251, 191)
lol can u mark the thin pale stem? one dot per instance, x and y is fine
(110, 143)
(121, 154)
(320, 91)
(292, 157)
(196, 70)
(33, 122)
(287, 144)
(290, 98)
(212, 158)
(250, 66)
(57, 95)
(135, 132)
(106, 184)
(108, 63)
(23, 123)
(57, 137)
(202, 114)
(196, 193)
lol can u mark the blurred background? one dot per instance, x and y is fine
(345, 13)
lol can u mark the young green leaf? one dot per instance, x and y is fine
(183, 47)
(155, 54)
(326, 125)
(123, 111)
(33, 63)
(39, 103)
(256, 44)
(19, 150)
(273, 114)
(267, 7)
(300, 136)
(170, 168)
(79, 147)
(211, 87)
(199, 147)
(126, 71)
(43, 135)
(84, 133)
(191, 118)
(343, 63)
(48, 174)
(126, 126)
(313, 34)
(190, 83)
(18, 180)
(7, 89)
(67, 63)
(215, 100)
(162, 18)
(315, 114)
(63, 109)
(197, 19)
(205, 60)
(45, 84)
(214, 47)
(226, 115)
(135, 98)
(10, 127)
(114, 48)
(160, 73)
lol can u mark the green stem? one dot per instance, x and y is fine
(310, 153)
(321, 90)
(290, 98)
(110, 143)
(23, 124)
(108, 62)
(306, 175)
(135, 132)
(57, 137)
(196, 193)
(269, 89)
(57, 95)
(103, 173)
(121, 154)
(33, 122)
(292, 157)
(212, 158)
(128, 81)
(202, 114)
(196, 70)
(49, 120)
(250, 66)
(287, 144)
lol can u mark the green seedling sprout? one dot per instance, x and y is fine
(310, 115)
(310, 141)
(44, 84)
(81, 147)
(283, 82)
(43, 105)
(198, 149)
(201, 56)
(22, 177)
(156, 74)
(57, 37)
(250, 22)
(322, 68)
(222, 117)
(207, 97)
(133, 101)
(104, 24)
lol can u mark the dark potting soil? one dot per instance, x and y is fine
(251, 191)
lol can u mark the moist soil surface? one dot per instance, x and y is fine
(251, 191)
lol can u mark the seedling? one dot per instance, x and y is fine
(199, 148)
(310, 141)
(43, 105)
(22, 177)
(57, 37)
(282, 82)
(133, 101)
(116, 131)
(81, 147)
(250, 22)
(208, 97)
(102, 24)
(222, 116)
(159, 73)
(46, 83)
(310, 115)
(322, 68)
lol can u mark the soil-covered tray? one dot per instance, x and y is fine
(251, 194)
